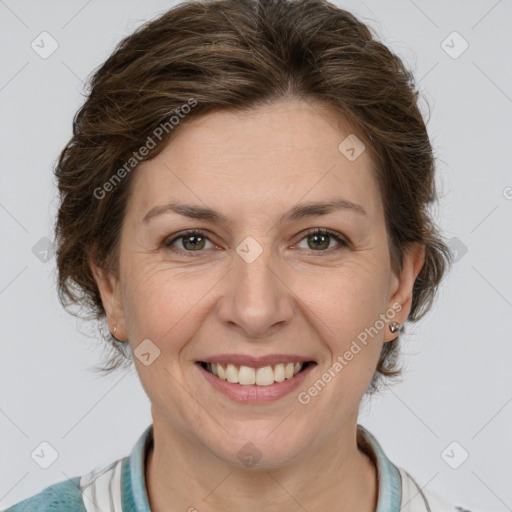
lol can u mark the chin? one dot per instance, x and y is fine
(261, 451)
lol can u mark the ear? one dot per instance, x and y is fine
(413, 260)
(110, 291)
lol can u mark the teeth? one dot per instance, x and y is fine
(247, 376)
(221, 373)
(265, 376)
(288, 370)
(279, 373)
(232, 374)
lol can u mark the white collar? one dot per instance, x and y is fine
(120, 486)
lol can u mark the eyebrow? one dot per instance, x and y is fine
(298, 212)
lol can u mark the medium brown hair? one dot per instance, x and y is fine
(236, 55)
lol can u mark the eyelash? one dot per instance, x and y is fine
(314, 231)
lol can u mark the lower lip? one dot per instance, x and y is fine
(256, 394)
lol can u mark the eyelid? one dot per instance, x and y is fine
(342, 241)
(326, 231)
(168, 241)
(203, 233)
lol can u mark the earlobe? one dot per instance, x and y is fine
(111, 298)
(414, 257)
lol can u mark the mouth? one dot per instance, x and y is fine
(256, 376)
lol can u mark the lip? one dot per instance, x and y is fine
(256, 362)
(256, 394)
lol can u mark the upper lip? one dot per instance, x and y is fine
(256, 362)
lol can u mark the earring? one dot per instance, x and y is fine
(113, 334)
(394, 326)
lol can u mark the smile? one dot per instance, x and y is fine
(248, 376)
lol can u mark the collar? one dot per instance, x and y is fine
(135, 498)
(388, 476)
(133, 484)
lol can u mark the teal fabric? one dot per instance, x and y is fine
(390, 482)
(134, 494)
(135, 498)
(66, 496)
(61, 496)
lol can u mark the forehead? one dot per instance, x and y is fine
(274, 155)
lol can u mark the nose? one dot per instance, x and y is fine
(255, 299)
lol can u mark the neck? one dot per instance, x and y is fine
(188, 475)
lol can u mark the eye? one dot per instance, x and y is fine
(319, 239)
(191, 241)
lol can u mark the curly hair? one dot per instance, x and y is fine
(237, 55)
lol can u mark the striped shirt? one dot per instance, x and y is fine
(120, 486)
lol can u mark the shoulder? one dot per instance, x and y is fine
(416, 499)
(64, 495)
(98, 487)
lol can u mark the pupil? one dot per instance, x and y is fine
(316, 237)
(195, 244)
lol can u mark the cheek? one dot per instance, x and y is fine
(347, 307)
(350, 297)
(352, 309)
(160, 302)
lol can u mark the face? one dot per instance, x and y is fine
(259, 282)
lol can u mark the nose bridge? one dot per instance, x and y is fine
(255, 298)
(252, 269)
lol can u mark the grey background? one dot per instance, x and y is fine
(456, 385)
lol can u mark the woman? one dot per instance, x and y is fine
(245, 201)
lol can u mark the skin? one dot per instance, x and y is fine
(294, 298)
